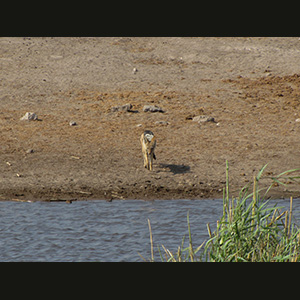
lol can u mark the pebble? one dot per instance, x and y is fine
(29, 151)
(203, 118)
(56, 57)
(152, 108)
(29, 116)
(72, 123)
(134, 70)
(165, 123)
(127, 107)
(297, 120)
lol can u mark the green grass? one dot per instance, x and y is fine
(249, 229)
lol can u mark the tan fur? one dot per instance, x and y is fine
(148, 151)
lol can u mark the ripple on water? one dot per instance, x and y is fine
(99, 230)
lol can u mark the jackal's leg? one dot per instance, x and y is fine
(150, 164)
(145, 156)
(148, 161)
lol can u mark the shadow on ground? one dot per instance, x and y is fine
(176, 169)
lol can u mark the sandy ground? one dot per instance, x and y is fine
(250, 86)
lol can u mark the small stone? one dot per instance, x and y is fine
(134, 70)
(29, 151)
(152, 108)
(297, 120)
(164, 123)
(139, 125)
(56, 57)
(72, 123)
(127, 107)
(29, 116)
(203, 118)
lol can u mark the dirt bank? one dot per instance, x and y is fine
(250, 86)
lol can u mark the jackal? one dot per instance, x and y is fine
(148, 142)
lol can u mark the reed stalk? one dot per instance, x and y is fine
(151, 241)
(290, 216)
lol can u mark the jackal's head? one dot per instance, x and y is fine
(148, 136)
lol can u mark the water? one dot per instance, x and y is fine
(102, 231)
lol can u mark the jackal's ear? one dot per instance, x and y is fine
(154, 155)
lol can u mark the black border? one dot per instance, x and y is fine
(125, 18)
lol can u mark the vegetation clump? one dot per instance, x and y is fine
(249, 230)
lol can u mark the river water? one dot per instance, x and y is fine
(103, 231)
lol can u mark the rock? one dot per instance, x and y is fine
(165, 123)
(72, 123)
(127, 107)
(203, 118)
(297, 120)
(134, 70)
(152, 108)
(29, 116)
(56, 57)
(29, 151)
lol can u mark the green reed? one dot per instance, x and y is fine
(248, 230)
